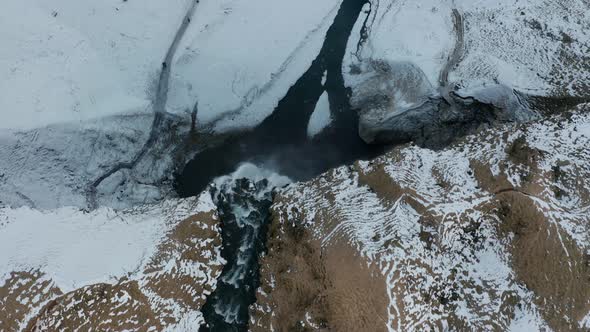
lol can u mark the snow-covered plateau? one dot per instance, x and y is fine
(104, 103)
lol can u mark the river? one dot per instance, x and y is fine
(281, 143)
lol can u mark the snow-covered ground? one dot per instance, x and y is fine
(508, 54)
(238, 58)
(405, 31)
(492, 50)
(75, 248)
(540, 48)
(79, 81)
(70, 61)
(51, 167)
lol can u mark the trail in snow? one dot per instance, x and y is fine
(364, 31)
(457, 52)
(159, 107)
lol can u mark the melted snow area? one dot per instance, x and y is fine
(428, 220)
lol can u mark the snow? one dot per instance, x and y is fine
(585, 322)
(187, 323)
(526, 322)
(71, 61)
(407, 31)
(321, 116)
(51, 167)
(583, 130)
(76, 248)
(239, 58)
(518, 44)
(63, 242)
(77, 82)
(87, 72)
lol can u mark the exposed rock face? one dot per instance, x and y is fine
(492, 233)
(396, 103)
(386, 90)
(166, 291)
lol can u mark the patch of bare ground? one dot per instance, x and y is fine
(101, 307)
(192, 243)
(522, 159)
(544, 257)
(486, 179)
(319, 288)
(388, 190)
(547, 261)
(21, 292)
(175, 280)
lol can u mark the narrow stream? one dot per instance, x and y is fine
(280, 143)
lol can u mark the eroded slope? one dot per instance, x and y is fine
(489, 234)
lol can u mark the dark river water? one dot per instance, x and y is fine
(243, 206)
(281, 143)
(281, 139)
